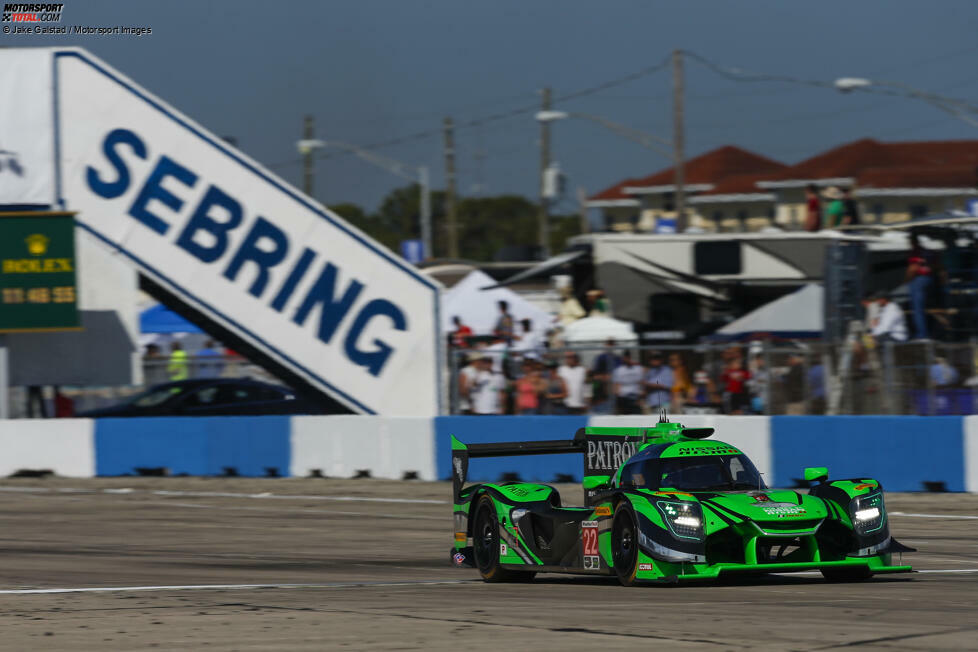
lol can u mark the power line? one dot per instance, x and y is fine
(739, 74)
(502, 115)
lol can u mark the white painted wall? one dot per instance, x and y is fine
(340, 445)
(66, 446)
(971, 453)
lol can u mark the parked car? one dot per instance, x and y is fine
(209, 397)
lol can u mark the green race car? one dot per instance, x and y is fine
(665, 504)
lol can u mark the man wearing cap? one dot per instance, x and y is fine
(836, 209)
(486, 388)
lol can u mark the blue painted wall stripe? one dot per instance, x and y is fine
(195, 446)
(901, 452)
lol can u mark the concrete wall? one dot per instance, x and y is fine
(902, 452)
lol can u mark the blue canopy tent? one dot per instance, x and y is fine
(160, 319)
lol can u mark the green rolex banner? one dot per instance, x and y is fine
(37, 272)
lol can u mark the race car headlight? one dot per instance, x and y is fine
(685, 520)
(868, 513)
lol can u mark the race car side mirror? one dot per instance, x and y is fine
(816, 474)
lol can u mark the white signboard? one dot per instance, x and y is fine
(26, 136)
(242, 246)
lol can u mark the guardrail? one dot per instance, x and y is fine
(903, 452)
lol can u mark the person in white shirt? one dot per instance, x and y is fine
(574, 376)
(891, 325)
(498, 355)
(627, 379)
(486, 389)
(530, 339)
(465, 377)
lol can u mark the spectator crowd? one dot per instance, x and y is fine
(207, 362)
(623, 380)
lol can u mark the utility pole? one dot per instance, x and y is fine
(308, 162)
(582, 203)
(677, 137)
(544, 164)
(424, 185)
(450, 208)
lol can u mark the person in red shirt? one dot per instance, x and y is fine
(920, 276)
(734, 378)
(813, 216)
(460, 336)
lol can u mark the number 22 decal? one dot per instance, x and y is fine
(589, 538)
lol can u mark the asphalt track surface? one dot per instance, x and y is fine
(238, 564)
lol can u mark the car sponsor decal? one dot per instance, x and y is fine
(459, 559)
(605, 453)
(782, 509)
(602, 511)
(592, 562)
(673, 493)
(645, 567)
(502, 550)
(761, 498)
(589, 541)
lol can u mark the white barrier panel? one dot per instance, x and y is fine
(341, 445)
(751, 434)
(970, 437)
(65, 446)
(235, 242)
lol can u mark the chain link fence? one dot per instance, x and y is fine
(812, 377)
(857, 376)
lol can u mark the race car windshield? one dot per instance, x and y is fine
(706, 473)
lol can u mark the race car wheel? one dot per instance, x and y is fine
(850, 574)
(624, 544)
(485, 544)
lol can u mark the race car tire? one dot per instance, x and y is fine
(850, 574)
(485, 545)
(624, 544)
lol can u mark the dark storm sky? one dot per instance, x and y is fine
(377, 70)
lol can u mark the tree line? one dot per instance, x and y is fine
(485, 224)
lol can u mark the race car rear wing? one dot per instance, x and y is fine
(462, 452)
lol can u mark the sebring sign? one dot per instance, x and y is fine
(239, 245)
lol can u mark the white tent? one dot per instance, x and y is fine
(598, 329)
(478, 308)
(798, 314)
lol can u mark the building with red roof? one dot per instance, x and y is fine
(733, 189)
